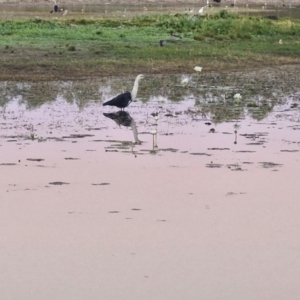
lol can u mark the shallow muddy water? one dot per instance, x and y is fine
(188, 194)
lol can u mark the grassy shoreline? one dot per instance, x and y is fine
(74, 49)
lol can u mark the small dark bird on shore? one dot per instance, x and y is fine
(162, 43)
(123, 100)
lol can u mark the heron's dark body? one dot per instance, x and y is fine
(55, 9)
(121, 101)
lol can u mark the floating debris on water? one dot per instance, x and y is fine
(200, 153)
(270, 165)
(35, 159)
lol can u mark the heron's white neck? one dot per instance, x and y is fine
(135, 88)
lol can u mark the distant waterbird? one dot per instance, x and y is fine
(161, 99)
(201, 11)
(185, 81)
(55, 7)
(123, 100)
(162, 43)
(198, 69)
(175, 37)
(237, 97)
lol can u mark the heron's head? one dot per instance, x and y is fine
(140, 76)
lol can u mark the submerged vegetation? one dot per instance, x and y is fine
(76, 47)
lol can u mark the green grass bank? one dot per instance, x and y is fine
(75, 48)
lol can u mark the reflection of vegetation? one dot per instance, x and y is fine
(219, 104)
(212, 94)
(226, 113)
(36, 94)
(260, 112)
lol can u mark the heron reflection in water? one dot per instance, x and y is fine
(123, 118)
